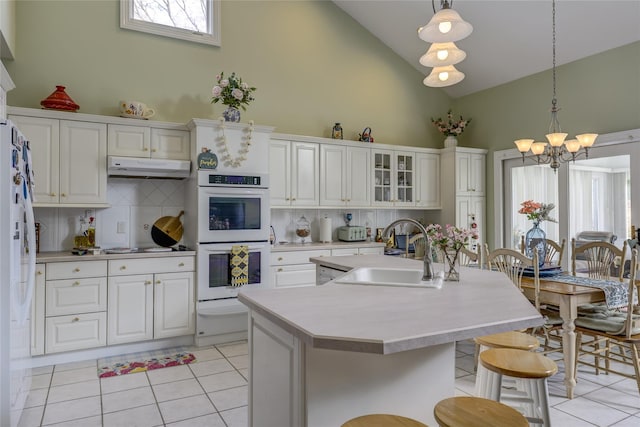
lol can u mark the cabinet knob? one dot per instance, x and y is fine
(153, 150)
(63, 195)
(286, 198)
(145, 149)
(293, 199)
(76, 319)
(348, 200)
(39, 273)
(123, 267)
(76, 270)
(158, 282)
(280, 269)
(279, 258)
(147, 282)
(181, 264)
(76, 283)
(53, 194)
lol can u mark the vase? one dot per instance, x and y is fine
(451, 265)
(535, 242)
(450, 141)
(231, 114)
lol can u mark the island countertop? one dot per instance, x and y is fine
(385, 320)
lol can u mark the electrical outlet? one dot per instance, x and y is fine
(121, 227)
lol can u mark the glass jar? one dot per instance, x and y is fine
(303, 229)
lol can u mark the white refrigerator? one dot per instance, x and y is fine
(17, 271)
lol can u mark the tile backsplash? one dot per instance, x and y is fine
(284, 220)
(135, 205)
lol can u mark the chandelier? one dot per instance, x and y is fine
(558, 150)
(444, 28)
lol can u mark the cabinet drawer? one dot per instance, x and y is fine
(120, 267)
(65, 333)
(377, 250)
(294, 275)
(76, 269)
(298, 257)
(344, 252)
(76, 296)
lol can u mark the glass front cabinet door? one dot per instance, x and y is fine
(393, 178)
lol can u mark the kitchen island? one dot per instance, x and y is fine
(324, 354)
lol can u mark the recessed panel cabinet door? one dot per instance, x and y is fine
(174, 305)
(280, 172)
(83, 169)
(44, 140)
(305, 175)
(130, 308)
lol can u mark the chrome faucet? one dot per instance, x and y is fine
(427, 272)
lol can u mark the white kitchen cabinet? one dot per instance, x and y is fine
(293, 268)
(345, 178)
(393, 178)
(145, 141)
(75, 305)
(174, 309)
(470, 173)
(371, 250)
(427, 181)
(463, 191)
(150, 298)
(293, 173)
(37, 312)
(130, 313)
(69, 158)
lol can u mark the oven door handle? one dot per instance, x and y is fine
(222, 311)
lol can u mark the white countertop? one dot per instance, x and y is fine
(384, 320)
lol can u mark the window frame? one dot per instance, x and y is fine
(127, 21)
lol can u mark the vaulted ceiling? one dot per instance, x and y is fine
(511, 39)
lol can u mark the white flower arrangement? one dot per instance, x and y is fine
(232, 91)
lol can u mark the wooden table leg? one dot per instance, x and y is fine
(568, 312)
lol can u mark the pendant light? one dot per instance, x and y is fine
(445, 26)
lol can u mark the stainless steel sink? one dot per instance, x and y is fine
(388, 277)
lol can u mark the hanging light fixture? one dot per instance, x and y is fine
(444, 28)
(558, 149)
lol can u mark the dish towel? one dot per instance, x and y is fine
(239, 264)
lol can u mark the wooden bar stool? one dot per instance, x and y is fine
(476, 412)
(510, 339)
(529, 368)
(382, 420)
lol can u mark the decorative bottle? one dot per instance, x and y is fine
(536, 241)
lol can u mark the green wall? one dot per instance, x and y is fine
(599, 94)
(313, 65)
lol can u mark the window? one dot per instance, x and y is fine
(193, 20)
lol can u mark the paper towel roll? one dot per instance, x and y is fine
(325, 230)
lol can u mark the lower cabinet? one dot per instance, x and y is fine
(292, 268)
(153, 305)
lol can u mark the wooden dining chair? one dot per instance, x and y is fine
(470, 257)
(615, 334)
(599, 259)
(554, 251)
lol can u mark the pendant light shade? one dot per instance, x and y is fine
(445, 26)
(443, 76)
(442, 54)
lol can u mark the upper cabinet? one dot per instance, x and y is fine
(470, 171)
(428, 180)
(345, 176)
(293, 173)
(68, 160)
(394, 178)
(145, 141)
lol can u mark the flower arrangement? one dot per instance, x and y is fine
(450, 127)
(451, 237)
(232, 91)
(537, 212)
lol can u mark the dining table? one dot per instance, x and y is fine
(567, 296)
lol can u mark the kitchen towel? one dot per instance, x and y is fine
(239, 264)
(325, 230)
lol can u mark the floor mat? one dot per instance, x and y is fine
(144, 361)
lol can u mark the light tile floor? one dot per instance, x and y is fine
(213, 393)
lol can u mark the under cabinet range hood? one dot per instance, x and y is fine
(151, 168)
